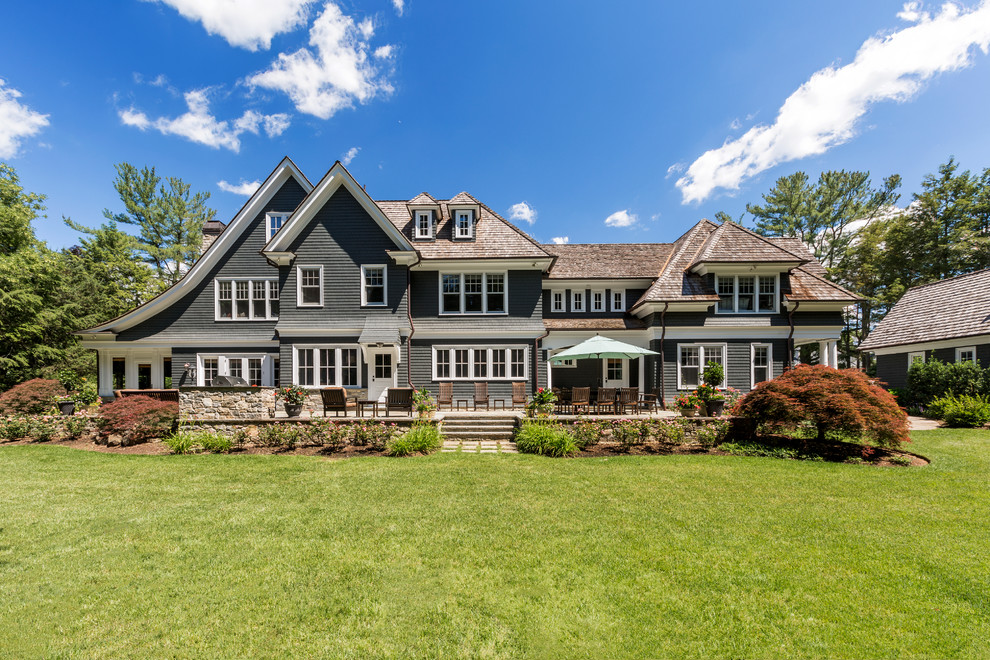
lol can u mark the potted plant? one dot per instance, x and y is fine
(70, 381)
(713, 376)
(687, 403)
(88, 395)
(424, 403)
(293, 396)
(542, 403)
(65, 404)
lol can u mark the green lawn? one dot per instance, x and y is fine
(484, 556)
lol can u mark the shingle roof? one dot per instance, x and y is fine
(608, 260)
(495, 237)
(956, 307)
(808, 286)
(732, 243)
(623, 323)
(422, 198)
(675, 283)
(462, 198)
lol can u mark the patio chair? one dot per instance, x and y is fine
(563, 402)
(628, 399)
(481, 396)
(446, 396)
(336, 399)
(650, 402)
(605, 400)
(581, 398)
(519, 394)
(399, 398)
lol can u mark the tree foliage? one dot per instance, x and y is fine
(833, 400)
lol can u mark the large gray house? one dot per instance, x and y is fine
(322, 285)
(948, 321)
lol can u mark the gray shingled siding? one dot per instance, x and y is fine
(285, 356)
(341, 237)
(195, 314)
(422, 366)
(737, 368)
(525, 290)
(632, 295)
(892, 368)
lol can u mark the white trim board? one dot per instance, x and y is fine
(930, 345)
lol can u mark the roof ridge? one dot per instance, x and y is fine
(948, 279)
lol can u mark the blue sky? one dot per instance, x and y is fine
(614, 123)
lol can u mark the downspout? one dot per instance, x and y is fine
(790, 336)
(412, 327)
(536, 360)
(663, 335)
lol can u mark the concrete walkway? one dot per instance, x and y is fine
(480, 446)
(922, 423)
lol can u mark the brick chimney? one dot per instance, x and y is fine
(211, 229)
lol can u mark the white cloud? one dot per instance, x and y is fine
(735, 125)
(332, 75)
(560, 240)
(522, 211)
(400, 6)
(825, 110)
(911, 12)
(198, 125)
(17, 121)
(621, 219)
(245, 188)
(384, 52)
(250, 24)
(350, 155)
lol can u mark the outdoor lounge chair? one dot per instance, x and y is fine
(336, 399)
(481, 395)
(519, 394)
(399, 398)
(628, 399)
(446, 396)
(605, 400)
(581, 398)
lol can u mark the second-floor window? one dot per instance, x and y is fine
(598, 301)
(577, 301)
(275, 222)
(557, 301)
(246, 300)
(463, 224)
(618, 301)
(746, 294)
(472, 293)
(373, 291)
(424, 224)
(310, 286)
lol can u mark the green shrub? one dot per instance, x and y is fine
(214, 441)
(901, 460)
(588, 432)
(32, 397)
(630, 432)
(422, 438)
(15, 428)
(329, 433)
(714, 432)
(180, 442)
(87, 394)
(545, 438)
(285, 436)
(374, 435)
(927, 381)
(138, 418)
(666, 431)
(756, 449)
(963, 411)
(73, 427)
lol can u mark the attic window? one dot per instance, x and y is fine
(464, 224)
(275, 222)
(424, 224)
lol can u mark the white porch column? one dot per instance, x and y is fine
(549, 381)
(823, 353)
(642, 374)
(833, 355)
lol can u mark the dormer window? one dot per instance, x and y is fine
(424, 224)
(275, 222)
(746, 294)
(464, 224)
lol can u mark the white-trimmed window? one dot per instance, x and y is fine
(373, 291)
(257, 369)
(245, 300)
(598, 301)
(746, 294)
(618, 301)
(577, 300)
(424, 224)
(918, 356)
(463, 224)
(761, 361)
(480, 362)
(309, 286)
(473, 293)
(325, 366)
(966, 354)
(275, 222)
(691, 361)
(557, 301)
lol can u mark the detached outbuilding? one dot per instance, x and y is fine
(947, 321)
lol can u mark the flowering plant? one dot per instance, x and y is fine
(291, 394)
(544, 397)
(706, 393)
(423, 400)
(687, 400)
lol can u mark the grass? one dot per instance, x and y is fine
(114, 556)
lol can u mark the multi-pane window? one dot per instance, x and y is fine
(691, 361)
(424, 224)
(320, 366)
(374, 285)
(383, 365)
(246, 300)
(464, 224)
(613, 369)
(472, 293)
(236, 368)
(967, 354)
(598, 301)
(746, 294)
(477, 363)
(249, 367)
(577, 301)
(557, 301)
(310, 285)
(762, 364)
(618, 301)
(210, 368)
(918, 356)
(254, 371)
(275, 222)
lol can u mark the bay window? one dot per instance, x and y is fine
(325, 366)
(691, 361)
(473, 293)
(479, 363)
(746, 294)
(246, 300)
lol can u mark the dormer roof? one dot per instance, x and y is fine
(423, 202)
(732, 244)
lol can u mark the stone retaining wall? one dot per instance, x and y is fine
(242, 402)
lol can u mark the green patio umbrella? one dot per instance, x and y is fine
(601, 347)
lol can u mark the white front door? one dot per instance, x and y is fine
(616, 372)
(381, 373)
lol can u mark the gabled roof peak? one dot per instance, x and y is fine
(423, 198)
(733, 243)
(462, 198)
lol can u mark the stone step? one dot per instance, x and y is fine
(478, 427)
(479, 435)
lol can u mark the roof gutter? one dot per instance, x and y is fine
(790, 335)
(412, 326)
(536, 360)
(663, 378)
